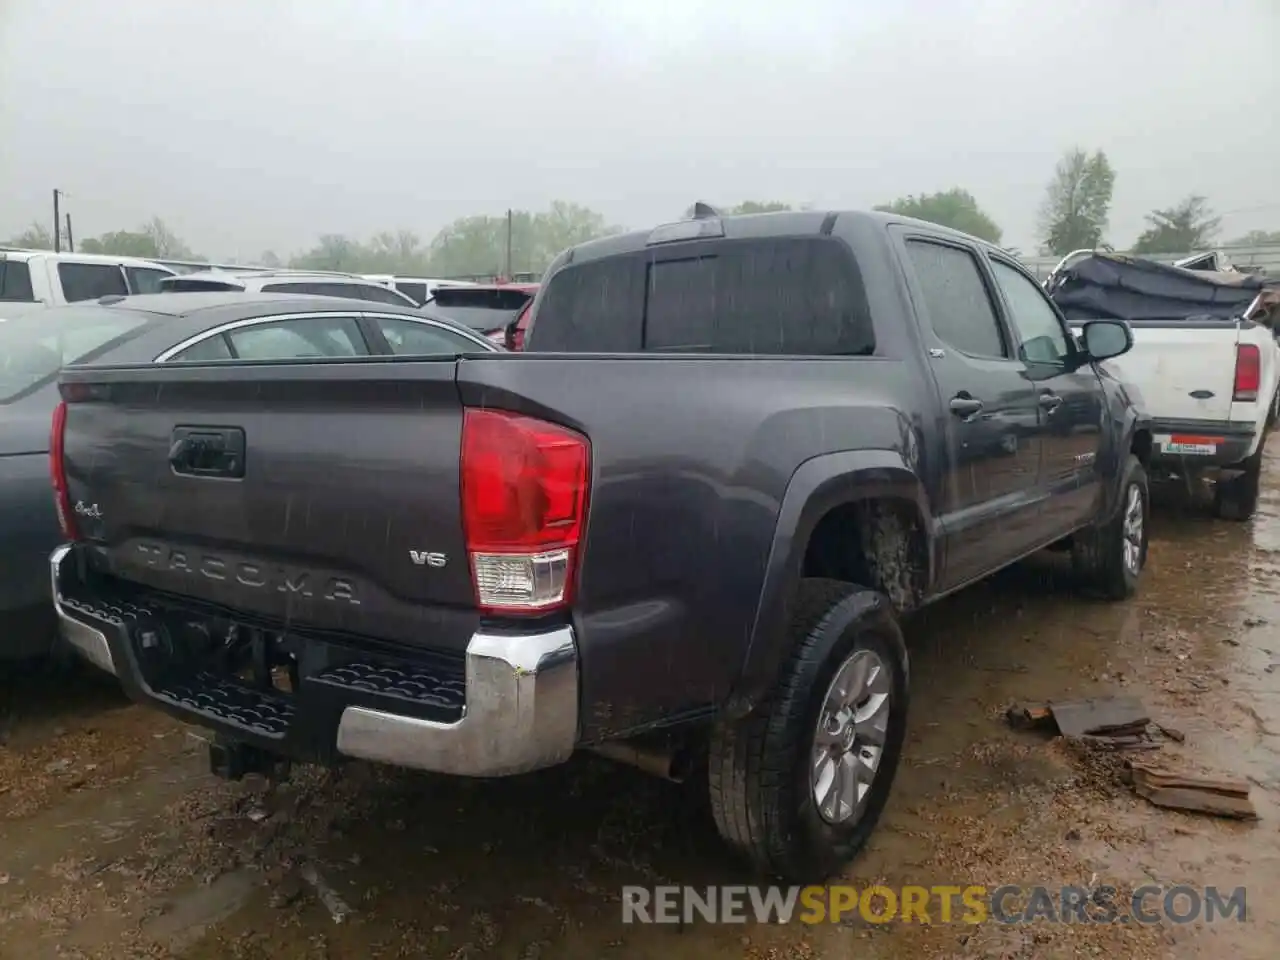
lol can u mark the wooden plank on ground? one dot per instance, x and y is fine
(1195, 793)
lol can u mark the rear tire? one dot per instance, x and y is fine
(774, 776)
(1237, 498)
(1109, 558)
(1274, 413)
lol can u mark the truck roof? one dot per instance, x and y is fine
(25, 255)
(754, 225)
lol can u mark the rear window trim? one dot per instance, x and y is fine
(167, 356)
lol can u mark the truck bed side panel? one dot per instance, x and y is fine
(685, 500)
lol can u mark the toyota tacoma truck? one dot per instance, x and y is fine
(1205, 364)
(680, 529)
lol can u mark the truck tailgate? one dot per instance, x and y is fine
(309, 494)
(1184, 371)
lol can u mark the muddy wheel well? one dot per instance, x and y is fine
(877, 543)
(1141, 446)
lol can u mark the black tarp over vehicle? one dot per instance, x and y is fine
(1126, 288)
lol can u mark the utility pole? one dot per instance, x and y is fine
(71, 243)
(57, 222)
(508, 271)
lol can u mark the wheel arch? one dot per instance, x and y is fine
(825, 491)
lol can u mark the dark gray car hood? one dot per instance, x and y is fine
(24, 423)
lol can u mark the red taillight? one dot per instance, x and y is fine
(1248, 372)
(58, 473)
(515, 341)
(524, 504)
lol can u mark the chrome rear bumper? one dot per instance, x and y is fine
(520, 711)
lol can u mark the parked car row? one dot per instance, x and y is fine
(680, 532)
(33, 279)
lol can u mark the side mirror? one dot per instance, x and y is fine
(1104, 339)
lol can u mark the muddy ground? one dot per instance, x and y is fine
(115, 842)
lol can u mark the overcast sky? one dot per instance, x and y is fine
(259, 124)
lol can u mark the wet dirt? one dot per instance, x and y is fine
(116, 843)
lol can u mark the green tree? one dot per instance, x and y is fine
(35, 237)
(1077, 202)
(153, 239)
(333, 251)
(954, 208)
(1185, 228)
(400, 252)
(477, 245)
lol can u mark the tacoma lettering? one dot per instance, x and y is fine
(281, 579)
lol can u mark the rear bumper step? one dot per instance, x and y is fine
(509, 706)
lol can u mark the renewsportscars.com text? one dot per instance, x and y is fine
(971, 904)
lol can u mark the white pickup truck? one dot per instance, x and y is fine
(33, 279)
(1205, 362)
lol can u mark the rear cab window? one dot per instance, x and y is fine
(35, 346)
(776, 296)
(89, 281)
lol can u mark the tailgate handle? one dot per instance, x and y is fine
(207, 452)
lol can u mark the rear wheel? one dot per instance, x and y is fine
(1109, 558)
(1274, 413)
(1237, 498)
(798, 786)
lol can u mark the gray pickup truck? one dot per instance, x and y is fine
(679, 530)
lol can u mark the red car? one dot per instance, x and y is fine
(500, 311)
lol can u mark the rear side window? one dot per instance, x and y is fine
(297, 338)
(15, 281)
(188, 285)
(215, 348)
(786, 296)
(145, 279)
(959, 305)
(415, 338)
(376, 294)
(89, 281)
(417, 292)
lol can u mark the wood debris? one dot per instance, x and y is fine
(1177, 790)
(1114, 723)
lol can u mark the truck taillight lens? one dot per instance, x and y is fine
(58, 473)
(524, 504)
(1248, 372)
